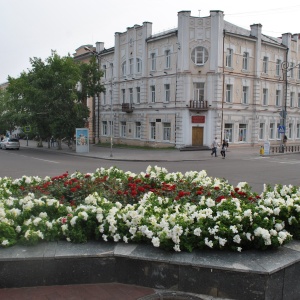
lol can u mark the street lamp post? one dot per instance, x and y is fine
(283, 114)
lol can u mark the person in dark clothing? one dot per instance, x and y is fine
(223, 149)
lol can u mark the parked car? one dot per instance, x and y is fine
(10, 143)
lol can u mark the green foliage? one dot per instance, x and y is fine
(47, 99)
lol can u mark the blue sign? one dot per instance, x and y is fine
(281, 129)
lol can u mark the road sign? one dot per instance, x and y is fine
(27, 129)
(281, 129)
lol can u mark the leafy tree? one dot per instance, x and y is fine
(47, 98)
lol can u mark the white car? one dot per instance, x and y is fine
(10, 143)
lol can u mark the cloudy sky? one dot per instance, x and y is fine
(32, 28)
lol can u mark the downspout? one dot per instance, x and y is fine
(223, 88)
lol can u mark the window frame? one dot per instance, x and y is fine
(229, 56)
(246, 61)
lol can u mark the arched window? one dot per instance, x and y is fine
(199, 55)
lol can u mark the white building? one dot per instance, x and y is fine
(205, 78)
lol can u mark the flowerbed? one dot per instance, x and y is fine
(173, 211)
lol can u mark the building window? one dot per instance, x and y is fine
(261, 131)
(123, 129)
(245, 94)
(153, 61)
(242, 132)
(228, 132)
(104, 71)
(290, 126)
(167, 92)
(265, 64)
(228, 93)
(265, 97)
(167, 132)
(104, 97)
(111, 69)
(278, 96)
(138, 95)
(245, 60)
(152, 88)
(291, 68)
(292, 101)
(298, 99)
(131, 66)
(138, 127)
(298, 131)
(278, 135)
(299, 71)
(152, 131)
(229, 58)
(199, 91)
(104, 128)
(138, 65)
(131, 95)
(199, 55)
(278, 67)
(272, 131)
(168, 59)
(123, 96)
(124, 68)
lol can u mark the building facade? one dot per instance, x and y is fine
(207, 78)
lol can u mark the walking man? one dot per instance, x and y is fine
(214, 147)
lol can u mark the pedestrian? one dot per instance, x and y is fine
(224, 148)
(214, 146)
(284, 140)
(52, 141)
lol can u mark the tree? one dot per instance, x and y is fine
(47, 99)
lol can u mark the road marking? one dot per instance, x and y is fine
(51, 161)
(282, 160)
(46, 160)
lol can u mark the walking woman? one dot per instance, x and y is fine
(223, 149)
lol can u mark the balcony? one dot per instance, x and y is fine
(198, 105)
(127, 107)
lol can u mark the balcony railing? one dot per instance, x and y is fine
(127, 107)
(198, 105)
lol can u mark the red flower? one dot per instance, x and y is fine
(73, 189)
(63, 220)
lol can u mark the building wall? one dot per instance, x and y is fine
(245, 120)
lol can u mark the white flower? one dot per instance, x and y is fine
(222, 242)
(18, 229)
(208, 243)
(237, 239)
(234, 229)
(84, 215)
(73, 220)
(210, 202)
(197, 231)
(155, 241)
(239, 249)
(43, 215)
(104, 237)
(177, 248)
(36, 221)
(5, 242)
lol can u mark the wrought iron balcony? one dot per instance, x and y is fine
(198, 105)
(127, 107)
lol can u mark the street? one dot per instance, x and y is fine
(235, 168)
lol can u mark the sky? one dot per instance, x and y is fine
(32, 28)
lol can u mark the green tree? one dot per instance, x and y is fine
(47, 97)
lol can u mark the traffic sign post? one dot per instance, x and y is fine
(281, 129)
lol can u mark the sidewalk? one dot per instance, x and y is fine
(127, 154)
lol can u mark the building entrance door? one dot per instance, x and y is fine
(197, 136)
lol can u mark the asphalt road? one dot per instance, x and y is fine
(254, 170)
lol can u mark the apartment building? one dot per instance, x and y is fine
(207, 78)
